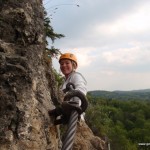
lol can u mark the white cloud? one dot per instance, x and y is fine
(128, 56)
(117, 81)
(135, 22)
(83, 56)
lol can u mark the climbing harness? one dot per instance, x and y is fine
(72, 125)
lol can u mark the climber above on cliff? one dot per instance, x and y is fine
(68, 65)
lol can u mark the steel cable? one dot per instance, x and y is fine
(70, 133)
(72, 125)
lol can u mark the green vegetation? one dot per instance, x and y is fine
(49, 31)
(124, 123)
(59, 78)
(123, 95)
(49, 53)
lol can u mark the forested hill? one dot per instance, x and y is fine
(122, 95)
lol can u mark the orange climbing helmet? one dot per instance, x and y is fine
(68, 56)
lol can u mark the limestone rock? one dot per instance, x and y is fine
(25, 94)
(86, 140)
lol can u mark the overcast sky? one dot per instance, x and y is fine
(111, 39)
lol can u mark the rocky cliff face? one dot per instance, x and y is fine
(85, 139)
(24, 90)
(27, 85)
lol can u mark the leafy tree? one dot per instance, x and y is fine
(125, 123)
(52, 52)
(49, 31)
(119, 140)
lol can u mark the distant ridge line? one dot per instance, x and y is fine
(143, 94)
(140, 90)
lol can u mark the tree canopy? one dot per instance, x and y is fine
(124, 123)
